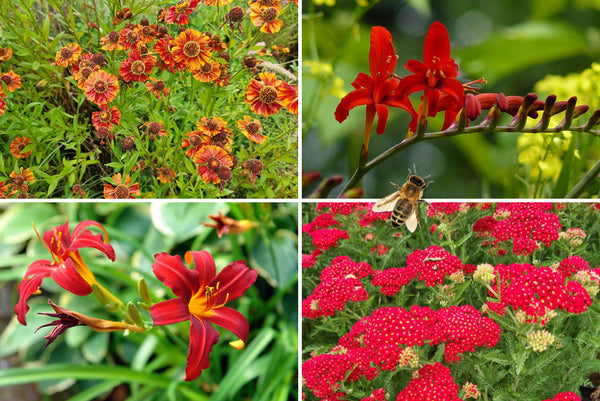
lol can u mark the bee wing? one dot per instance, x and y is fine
(386, 204)
(413, 220)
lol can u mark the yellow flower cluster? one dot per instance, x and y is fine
(542, 154)
(540, 340)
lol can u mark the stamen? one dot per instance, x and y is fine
(44, 243)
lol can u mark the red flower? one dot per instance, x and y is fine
(178, 14)
(201, 296)
(67, 268)
(378, 90)
(436, 76)
(101, 87)
(106, 117)
(135, 67)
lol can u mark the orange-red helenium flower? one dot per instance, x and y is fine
(110, 42)
(265, 17)
(106, 117)
(178, 14)
(123, 189)
(263, 95)
(101, 87)
(210, 159)
(194, 141)
(289, 97)
(209, 72)
(66, 268)
(201, 298)
(18, 145)
(135, 67)
(251, 129)
(12, 80)
(68, 55)
(191, 49)
(20, 179)
(157, 87)
(5, 53)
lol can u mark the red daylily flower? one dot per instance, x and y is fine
(436, 75)
(201, 297)
(67, 268)
(377, 91)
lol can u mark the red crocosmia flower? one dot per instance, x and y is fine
(106, 117)
(435, 75)
(201, 298)
(377, 91)
(66, 268)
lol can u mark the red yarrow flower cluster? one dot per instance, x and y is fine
(328, 237)
(332, 295)
(392, 280)
(310, 260)
(566, 396)
(324, 373)
(342, 266)
(525, 224)
(321, 221)
(343, 208)
(379, 394)
(536, 291)
(433, 264)
(431, 381)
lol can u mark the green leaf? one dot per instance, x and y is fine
(519, 47)
(181, 221)
(276, 259)
(96, 347)
(562, 183)
(15, 223)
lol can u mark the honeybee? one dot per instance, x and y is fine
(404, 203)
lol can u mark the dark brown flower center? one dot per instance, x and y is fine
(195, 140)
(6, 79)
(66, 53)
(270, 14)
(206, 68)
(132, 37)
(213, 163)
(121, 192)
(191, 49)
(85, 72)
(105, 116)
(267, 94)
(113, 37)
(212, 124)
(98, 59)
(138, 67)
(255, 166)
(18, 180)
(21, 146)
(85, 64)
(224, 173)
(236, 14)
(147, 31)
(159, 85)
(267, 3)
(100, 85)
(102, 132)
(253, 128)
(182, 6)
(154, 127)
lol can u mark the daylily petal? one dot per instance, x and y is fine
(169, 312)
(231, 320)
(202, 338)
(204, 264)
(382, 56)
(437, 44)
(58, 239)
(67, 277)
(353, 99)
(26, 288)
(234, 280)
(83, 238)
(175, 275)
(382, 116)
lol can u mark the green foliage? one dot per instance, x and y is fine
(68, 157)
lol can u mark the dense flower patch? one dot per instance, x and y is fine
(483, 301)
(196, 100)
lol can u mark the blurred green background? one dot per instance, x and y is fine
(86, 365)
(513, 44)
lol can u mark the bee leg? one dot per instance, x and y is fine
(424, 201)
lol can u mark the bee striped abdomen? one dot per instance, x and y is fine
(402, 211)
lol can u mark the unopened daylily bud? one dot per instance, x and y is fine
(143, 291)
(134, 314)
